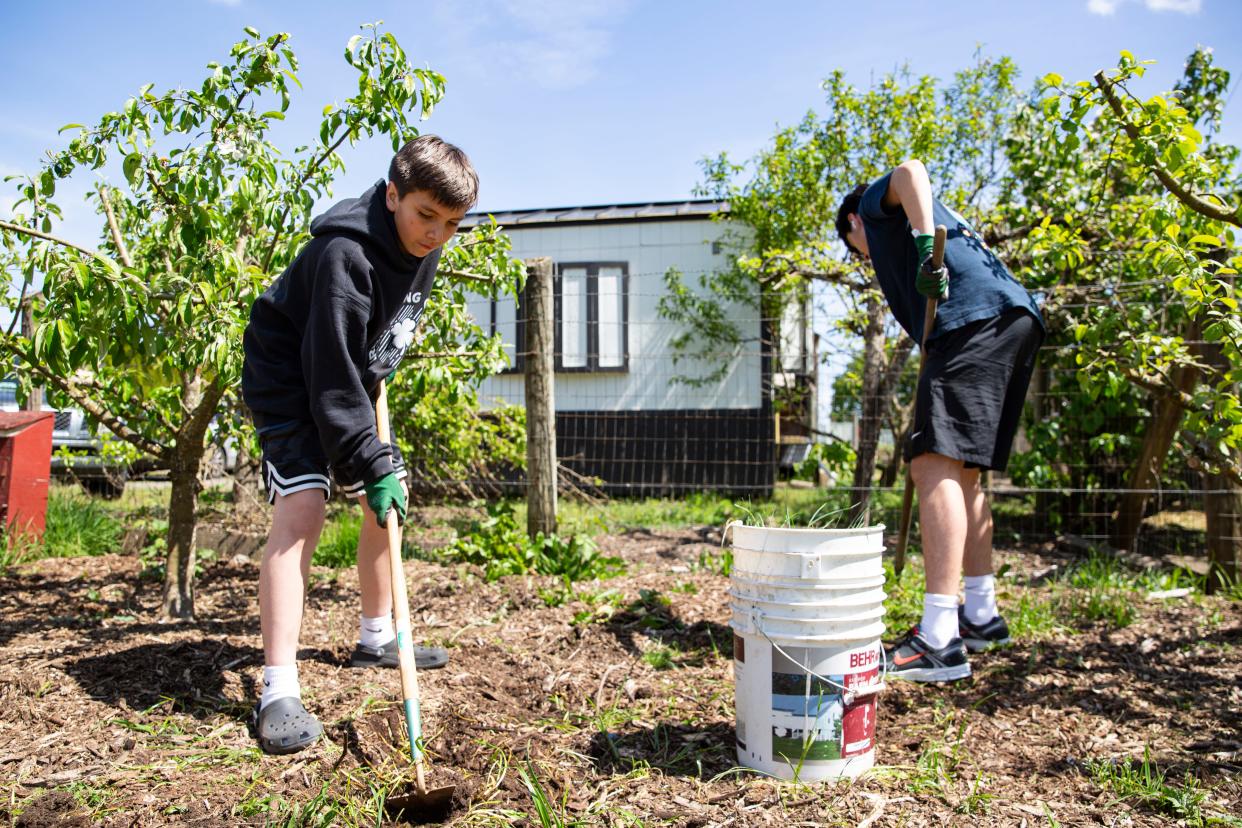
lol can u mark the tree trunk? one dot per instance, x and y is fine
(184, 466)
(888, 475)
(540, 403)
(1161, 429)
(182, 527)
(871, 418)
(1223, 508)
(247, 482)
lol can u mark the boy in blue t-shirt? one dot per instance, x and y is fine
(321, 338)
(980, 356)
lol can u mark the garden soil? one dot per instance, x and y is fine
(619, 708)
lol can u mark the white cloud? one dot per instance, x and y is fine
(226, 2)
(1109, 7)
(1183, 6)
(555, 43)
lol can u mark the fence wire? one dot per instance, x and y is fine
(733, 403)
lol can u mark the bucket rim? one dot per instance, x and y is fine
(734, 525)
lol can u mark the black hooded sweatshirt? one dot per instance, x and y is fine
(336, 322)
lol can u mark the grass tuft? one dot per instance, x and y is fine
(1146, 784)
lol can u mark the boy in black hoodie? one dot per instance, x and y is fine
(320, 340)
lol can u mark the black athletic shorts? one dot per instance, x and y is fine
(969, 400)
(294, 460)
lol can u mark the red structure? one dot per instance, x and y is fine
(25, 467)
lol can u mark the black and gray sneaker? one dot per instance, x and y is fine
(981, 637)
(385, 655)
(913, 659)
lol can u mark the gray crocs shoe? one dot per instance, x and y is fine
(385, 655)
(285, 726)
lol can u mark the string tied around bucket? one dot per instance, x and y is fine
(848, 694)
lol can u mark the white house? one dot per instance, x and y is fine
(628, 412)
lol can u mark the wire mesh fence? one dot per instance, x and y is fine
(741, 404)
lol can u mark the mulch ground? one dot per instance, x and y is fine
(108, 716)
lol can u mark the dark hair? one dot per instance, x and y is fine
(849, 205)
(430, 163)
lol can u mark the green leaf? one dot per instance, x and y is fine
(130, 166)
(1053, 79)
(1211, 241)
(69, 126)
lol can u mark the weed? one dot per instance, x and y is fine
(718, 562)
(499, 545)
(1100, 589)
(1031, 619)
(16, 548)
(661, 658)
(1145, 783)
(978, 801)
(547, 814)
(903, 603)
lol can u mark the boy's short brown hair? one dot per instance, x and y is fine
(430, 163)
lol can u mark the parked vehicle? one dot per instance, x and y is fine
(76, 451)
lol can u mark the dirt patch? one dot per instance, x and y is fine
(613, 704)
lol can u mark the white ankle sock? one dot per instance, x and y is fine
(372, 632)
(278, 683)
(939, 624)
(980, 598)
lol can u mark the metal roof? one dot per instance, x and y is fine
(646, 211)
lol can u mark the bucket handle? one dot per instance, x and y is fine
(848, 694)
(724, 533)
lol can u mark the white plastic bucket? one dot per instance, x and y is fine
(807, 607)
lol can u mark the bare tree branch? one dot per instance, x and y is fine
(114, 228)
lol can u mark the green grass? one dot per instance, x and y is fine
(78, 525)
(1147, 785)
(338, 543)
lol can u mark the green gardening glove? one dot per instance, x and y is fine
(384, 494)
(932, 282)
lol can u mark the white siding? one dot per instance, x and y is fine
(648, 249)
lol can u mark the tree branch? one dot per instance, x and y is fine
(467, 276)
(310, 169)
(114, 228)
(39, 234)
(70, 390)
(1194, 202)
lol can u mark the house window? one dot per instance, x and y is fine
(592, 316)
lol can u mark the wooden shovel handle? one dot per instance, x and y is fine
(929, 322)
(401, 612)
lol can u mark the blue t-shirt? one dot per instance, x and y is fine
(980, 286)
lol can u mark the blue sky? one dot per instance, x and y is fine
(564, 102)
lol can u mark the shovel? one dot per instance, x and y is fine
(421, 798)
(907, 498)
